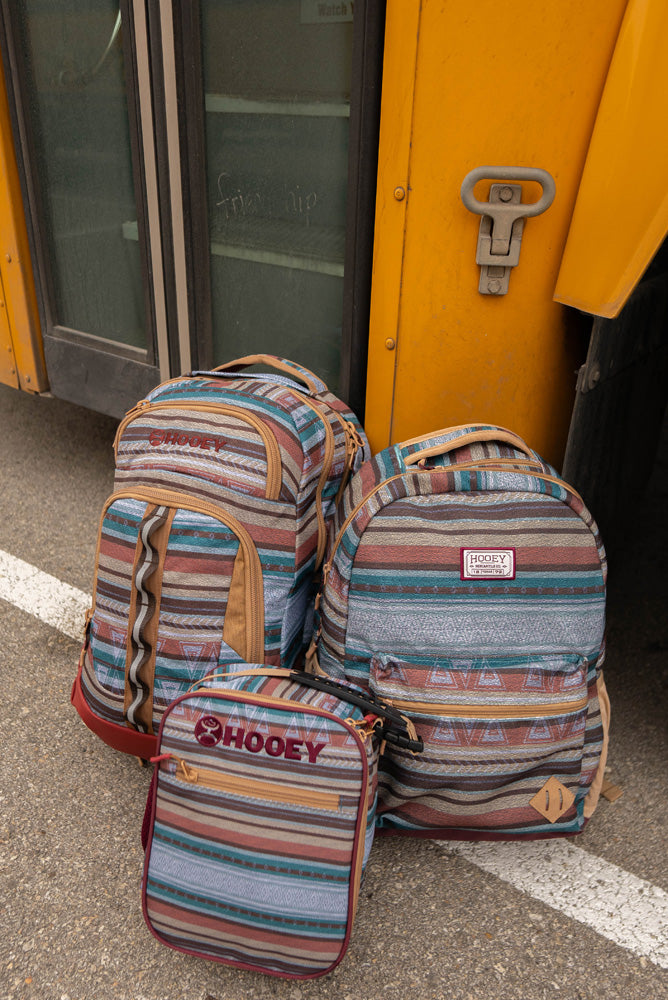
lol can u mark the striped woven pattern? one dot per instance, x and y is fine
(395, 592)
(495, 730)
(247, 471)
(242, 867)
(195, 584)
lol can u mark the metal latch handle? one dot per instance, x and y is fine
(541, 177)
(500, 236)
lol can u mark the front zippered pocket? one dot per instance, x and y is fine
(252, 788)
(178, 589)
(217, 444)
(505, 739)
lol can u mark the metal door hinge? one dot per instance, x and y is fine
(502, 222)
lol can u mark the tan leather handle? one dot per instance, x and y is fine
(299, 374)
(252, 672)
(492, 435)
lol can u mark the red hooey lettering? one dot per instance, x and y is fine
(209, 732)
(208, 442)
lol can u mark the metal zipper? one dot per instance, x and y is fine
(491, 711)
(254, 787)
(254, 590)
(274, 466)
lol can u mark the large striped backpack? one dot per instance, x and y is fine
(260, 818)
(465, 582)
(225, 484)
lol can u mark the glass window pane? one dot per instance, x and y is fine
(277, 84)
(80, 132)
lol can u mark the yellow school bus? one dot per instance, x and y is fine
(452, 210)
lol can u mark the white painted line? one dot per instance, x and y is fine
(43, 596)
(617, 905)
(621, 907)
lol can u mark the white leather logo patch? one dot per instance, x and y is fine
(488, 564)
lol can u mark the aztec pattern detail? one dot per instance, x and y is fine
(255, 858)
(140, 644)
(501, 674)
(248, 469)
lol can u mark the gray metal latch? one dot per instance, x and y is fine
(502, 222)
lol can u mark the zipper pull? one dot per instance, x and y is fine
(89, 618)
(365, 727)
(189, 774)
(353, 444)
(325, 573)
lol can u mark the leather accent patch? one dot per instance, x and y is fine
(553, 800)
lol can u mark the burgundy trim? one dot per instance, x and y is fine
(149, 811)
(119, 737)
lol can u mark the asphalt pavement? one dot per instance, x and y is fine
(432, 923)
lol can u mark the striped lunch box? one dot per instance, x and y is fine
(260, 820)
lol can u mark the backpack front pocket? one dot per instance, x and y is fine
(202, 447)
(508, 743)
(179, 588)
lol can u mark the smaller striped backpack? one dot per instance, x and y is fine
(260, 818)
(225, 485)
(465, 584)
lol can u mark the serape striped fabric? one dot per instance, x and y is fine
(469, 588)
(261, 819)
(240, 474)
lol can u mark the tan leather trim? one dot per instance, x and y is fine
(312, 663)
(593, 795)
(445, 430)
(235, 628)
(254, 788)
(255, 597)
(553, 800)
(528, 711)
(353, 445)
(507, 437)
(298, 374)
(272, 450)
(611, 792)
(251, 672)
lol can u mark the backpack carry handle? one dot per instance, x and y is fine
(474, 435)
(395, 728)
(298, 372)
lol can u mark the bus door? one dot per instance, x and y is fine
(199, 181)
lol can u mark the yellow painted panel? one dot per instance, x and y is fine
(401, 39)
(7, 361)
(621, 214)
(20, 337)
(505, 84)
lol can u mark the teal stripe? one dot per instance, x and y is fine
(291, 924)
(425, 578)
(179, 840)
